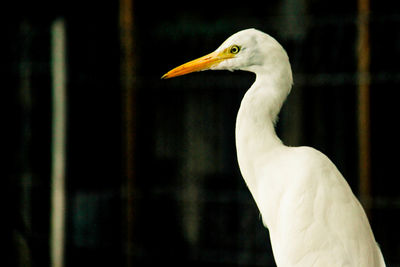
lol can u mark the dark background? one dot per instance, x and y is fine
(190, 204)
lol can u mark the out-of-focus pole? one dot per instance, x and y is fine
(128, 87)
(363, 79)
(58, 152)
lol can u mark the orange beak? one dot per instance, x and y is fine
(200, 64)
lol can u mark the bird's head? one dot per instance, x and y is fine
(249, 50)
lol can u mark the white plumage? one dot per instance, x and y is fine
(312, 215)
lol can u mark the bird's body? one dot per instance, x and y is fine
(312, 215)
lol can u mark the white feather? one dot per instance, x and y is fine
(312, 215)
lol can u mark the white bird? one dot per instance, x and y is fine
(312, 215)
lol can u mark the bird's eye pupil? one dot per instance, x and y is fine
(235, 49)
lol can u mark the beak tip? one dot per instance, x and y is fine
(165, 76)
(200, 64)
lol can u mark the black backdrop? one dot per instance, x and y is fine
(191, 205)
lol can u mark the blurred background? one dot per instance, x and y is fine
(107, 165)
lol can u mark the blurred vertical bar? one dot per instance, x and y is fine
(58, 69)
(128, 87)
(363, 79)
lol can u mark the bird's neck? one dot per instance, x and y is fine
(255, 125)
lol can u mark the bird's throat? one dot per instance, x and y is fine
(255, 128)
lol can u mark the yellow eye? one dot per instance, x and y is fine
(234, 49)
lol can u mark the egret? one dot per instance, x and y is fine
(312, 215)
